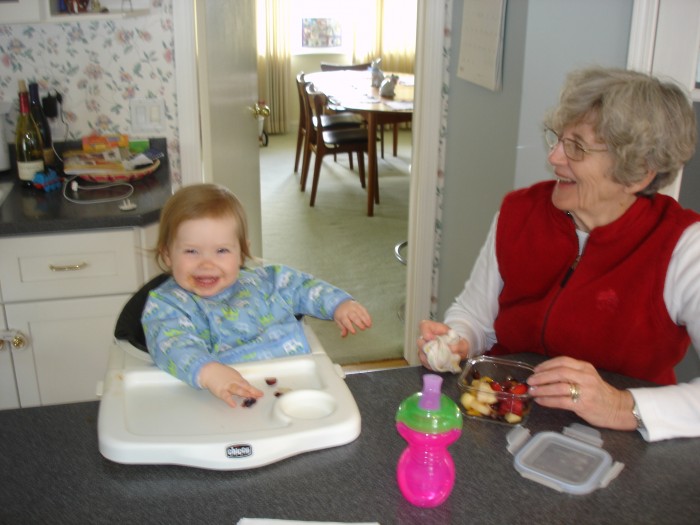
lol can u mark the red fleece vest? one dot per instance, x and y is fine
(610, 309)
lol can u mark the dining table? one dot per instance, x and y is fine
(51, 471)
(353, 91)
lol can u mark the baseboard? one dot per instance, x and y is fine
(369, 366)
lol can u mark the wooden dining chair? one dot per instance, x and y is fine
(323, 141)
(327, 66)
(345, 119)
(303, 125)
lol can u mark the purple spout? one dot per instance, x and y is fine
(430, 400)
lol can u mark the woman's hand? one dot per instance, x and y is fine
(350, 314)
(225, 382)
(564, 382)
(429, 330)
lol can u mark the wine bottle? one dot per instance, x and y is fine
(37, 113)
(28, 145)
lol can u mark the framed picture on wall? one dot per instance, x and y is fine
(321, 28)
(321, 33)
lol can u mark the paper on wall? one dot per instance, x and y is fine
(481, 49)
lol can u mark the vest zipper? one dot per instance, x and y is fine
(571, 269)
(563, 282)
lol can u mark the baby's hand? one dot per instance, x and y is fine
(350, 314)
(224, 382)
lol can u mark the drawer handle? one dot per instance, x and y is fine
(68, 267)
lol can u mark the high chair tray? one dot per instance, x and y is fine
(146, 416)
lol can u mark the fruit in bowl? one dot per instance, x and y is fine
(495, 389)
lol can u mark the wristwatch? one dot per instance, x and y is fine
(637, 416)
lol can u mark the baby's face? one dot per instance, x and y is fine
(205, 256)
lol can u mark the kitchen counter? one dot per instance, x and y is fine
(28, 210)
(52, 472)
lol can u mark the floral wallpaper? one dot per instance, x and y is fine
(97, 66)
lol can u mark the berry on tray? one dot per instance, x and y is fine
(249, 402)
(281, 391)
(271, 381)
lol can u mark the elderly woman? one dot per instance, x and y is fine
(595, 269)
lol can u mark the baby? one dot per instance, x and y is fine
(214, 311)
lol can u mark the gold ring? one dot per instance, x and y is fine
(574, 392)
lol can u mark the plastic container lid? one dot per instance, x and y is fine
(572, 461)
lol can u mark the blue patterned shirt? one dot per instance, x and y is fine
(252, 320)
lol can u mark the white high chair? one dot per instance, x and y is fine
(147, 416)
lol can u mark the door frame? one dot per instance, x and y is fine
(661, 34)
(426, 160)
(187, 88)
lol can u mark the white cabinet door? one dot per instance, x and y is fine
(8, 385)
(20, 11)
(67, 350)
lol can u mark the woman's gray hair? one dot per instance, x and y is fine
(648, 124)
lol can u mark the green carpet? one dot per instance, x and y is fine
(337, 242)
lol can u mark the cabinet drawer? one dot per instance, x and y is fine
(69, 265)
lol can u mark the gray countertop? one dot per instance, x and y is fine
(52, 472)
(31, 211)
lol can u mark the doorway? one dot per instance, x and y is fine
(335, 240)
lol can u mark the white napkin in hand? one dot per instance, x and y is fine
(263, 521)
(439, 356)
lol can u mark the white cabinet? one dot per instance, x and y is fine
(33, 11)
(8, 386)
(20, 11)
(115, 9)
(63, 293)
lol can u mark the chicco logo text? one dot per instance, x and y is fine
(239, 451)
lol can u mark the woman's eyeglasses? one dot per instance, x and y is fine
(572, 149)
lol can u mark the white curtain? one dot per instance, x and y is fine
(274, 61)
(388, 32)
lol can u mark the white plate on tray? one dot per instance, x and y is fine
(146, 416)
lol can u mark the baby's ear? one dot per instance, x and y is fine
(165, 257)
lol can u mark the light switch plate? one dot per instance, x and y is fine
(147, 115)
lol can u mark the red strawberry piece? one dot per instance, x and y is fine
(519, 389)
(514, 406)
(271, 380)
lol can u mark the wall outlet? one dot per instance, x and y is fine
(59, 130)
(147, 115)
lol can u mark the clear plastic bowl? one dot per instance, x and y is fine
(495, 389)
